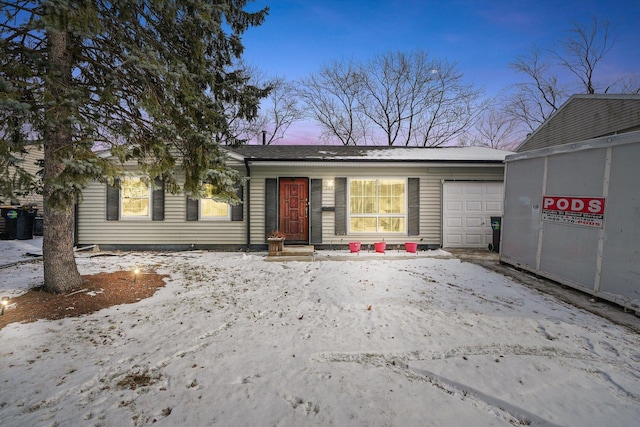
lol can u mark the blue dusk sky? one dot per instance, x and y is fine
(482, 37)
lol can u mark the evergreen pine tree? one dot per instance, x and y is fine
(150, 80)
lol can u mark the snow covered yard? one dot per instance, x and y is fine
(234, 340)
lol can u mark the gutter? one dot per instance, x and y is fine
(371, 160)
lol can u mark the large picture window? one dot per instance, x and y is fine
(136, 198)
(377, 205)
(213, 209)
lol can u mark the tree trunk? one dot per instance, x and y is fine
(60, 269)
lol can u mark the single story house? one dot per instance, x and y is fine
(326, 196)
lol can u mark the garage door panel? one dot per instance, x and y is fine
(493, 206)
(474, 222)
(474, 206)
(467, 208)
(495, 191)
(472, 189)
(474, 239)
(454, 206)
(454, 240)
(454, 222)
(454, 190)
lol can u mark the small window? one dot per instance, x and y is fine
(377, 205)
(213, 209)
(136, 198)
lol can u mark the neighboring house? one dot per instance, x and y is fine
(585, 117)
(32, 155)
(321, 195)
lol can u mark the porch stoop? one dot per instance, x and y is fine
(293, 253)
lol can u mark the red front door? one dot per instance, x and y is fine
(294, 221)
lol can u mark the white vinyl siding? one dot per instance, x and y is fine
(431, 179)
(93, 228)
(29, 164)
(31, 157)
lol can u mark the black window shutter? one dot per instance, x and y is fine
(271, 205)
(237, 211)
(192, 209)
(113, 201)
(158, 200)
(316, 211)
(414, 206)
(341, 206)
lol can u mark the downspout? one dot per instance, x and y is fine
(76, 211)
(248, 202)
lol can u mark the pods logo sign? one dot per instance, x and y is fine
(584, 211)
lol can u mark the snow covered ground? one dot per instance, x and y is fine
(233, 340)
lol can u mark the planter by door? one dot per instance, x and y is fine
(276, 245)
(411, 247)
(354, 246)
(380, 246)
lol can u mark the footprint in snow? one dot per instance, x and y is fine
(298, 403)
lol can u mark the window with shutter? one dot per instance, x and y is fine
(210, 208)
(377, 205)
(135, 199)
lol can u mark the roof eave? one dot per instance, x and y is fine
(377, 162)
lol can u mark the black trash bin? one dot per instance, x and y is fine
(496, 223)
(24, 225)
(10, 215)
(38, 225)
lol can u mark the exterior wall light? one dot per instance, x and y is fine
(328, 184)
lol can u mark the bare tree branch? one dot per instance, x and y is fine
(584, 49)
(331, 96)
(535, 101)
(392, 99)
(277, 113)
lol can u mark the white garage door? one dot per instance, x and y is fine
(467, 208)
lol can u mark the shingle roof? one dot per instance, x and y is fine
(368, 153)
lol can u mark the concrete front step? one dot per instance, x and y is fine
(295, 251)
